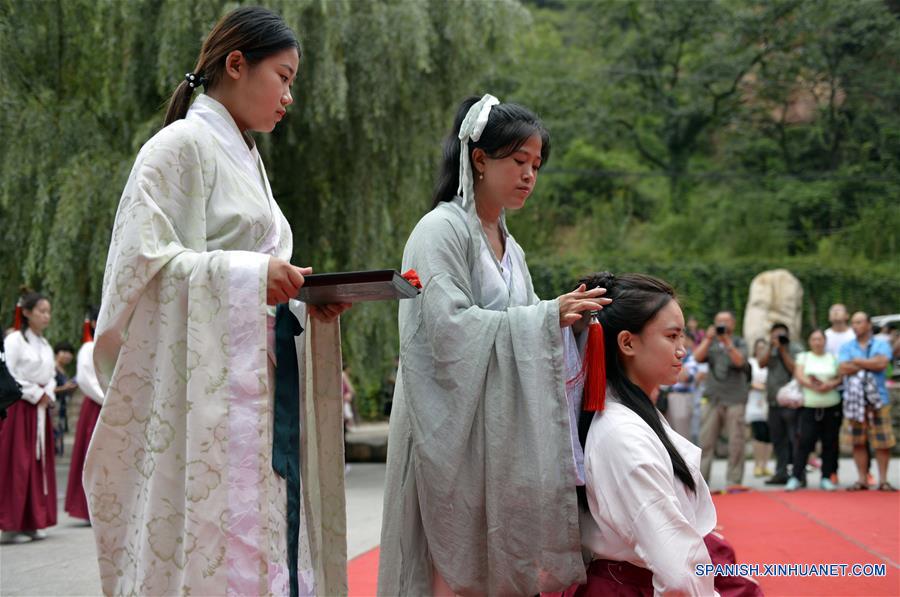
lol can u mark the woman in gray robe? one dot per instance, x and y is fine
(480, 490)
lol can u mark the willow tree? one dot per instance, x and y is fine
(83, 84)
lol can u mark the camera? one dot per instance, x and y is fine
(720, 330)
(783, 339)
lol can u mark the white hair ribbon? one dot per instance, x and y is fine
(471, 128)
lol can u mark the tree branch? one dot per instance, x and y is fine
(640, 146)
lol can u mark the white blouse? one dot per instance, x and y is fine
(29, 358)
(640, 512)
(502, 284)
(86, 375)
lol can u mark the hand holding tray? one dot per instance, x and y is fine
(356, 287)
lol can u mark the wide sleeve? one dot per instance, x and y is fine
(49, 388)
(86, 376)
(644, 501)
(452, 342)
(485, 396)
(181, 355)
(574, 390)
(15, 347)
(158, 250)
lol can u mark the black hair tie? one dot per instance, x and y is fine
(195, 80)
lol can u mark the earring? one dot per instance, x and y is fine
(480, 176)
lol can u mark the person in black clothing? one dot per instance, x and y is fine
(65, 387)
(780, 362)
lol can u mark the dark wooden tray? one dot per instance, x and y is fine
(355, 287)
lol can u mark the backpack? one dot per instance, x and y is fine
(10, 390)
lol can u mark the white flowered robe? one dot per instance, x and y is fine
(179, 475)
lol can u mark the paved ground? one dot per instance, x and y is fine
(65, 564)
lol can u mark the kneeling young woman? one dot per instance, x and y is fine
(647, 514)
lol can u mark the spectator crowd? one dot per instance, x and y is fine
(796, 401)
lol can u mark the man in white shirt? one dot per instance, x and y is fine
(839, 333)
(836, 336)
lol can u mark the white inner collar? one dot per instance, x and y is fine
(225, 130)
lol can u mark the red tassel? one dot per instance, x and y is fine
(86, 335)
(594, 369)
(413, 278)
(17, 318)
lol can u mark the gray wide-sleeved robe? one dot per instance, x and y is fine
(480, 484)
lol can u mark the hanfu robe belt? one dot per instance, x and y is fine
(286, 441)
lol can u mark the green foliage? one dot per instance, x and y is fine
(710, 132)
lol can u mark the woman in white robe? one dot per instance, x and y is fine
(480, 487)
(27, 469)
(647, 512)
(179, 474)
(92, 399)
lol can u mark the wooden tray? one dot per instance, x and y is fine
(356, 287)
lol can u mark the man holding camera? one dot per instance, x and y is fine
(727, 387)
(779, 360)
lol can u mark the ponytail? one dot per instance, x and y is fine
(179, 103)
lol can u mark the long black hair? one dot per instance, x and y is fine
(508, 127)
(636, 299)
(257, 32)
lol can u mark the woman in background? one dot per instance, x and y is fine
(757, 413)
(27, 467)
(92, 400)
(820, 417)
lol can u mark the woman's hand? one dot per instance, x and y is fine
(573, 304)
(328, 312)
(44, 401)
(284, 280)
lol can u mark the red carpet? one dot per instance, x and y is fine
(362, 574)
(806, 527)
(813, 527)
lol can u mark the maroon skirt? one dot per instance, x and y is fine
(622, 579)
(27, 485)
(76, 502)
